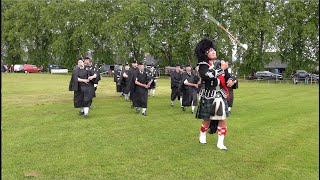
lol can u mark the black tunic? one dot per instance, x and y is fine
(189, 92)
(140, 96)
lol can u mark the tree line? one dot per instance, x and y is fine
(59, 31)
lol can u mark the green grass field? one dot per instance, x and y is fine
(273, 133)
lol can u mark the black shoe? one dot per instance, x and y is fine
(81, 113)
(144, 114)
(86, 116)
(171, 105)
(183, 108)
(192, 112)
(137, 110)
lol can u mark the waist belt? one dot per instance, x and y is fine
(211, 94)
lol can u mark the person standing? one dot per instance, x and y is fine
(189, 90)
(213, 107)
(143, 80)
(12, 68)
(83, 91)
(176, 78)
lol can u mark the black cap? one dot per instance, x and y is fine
(119, 64)
(80, 58)
(134, 62)
(188, 65)
(140, 63)
(177, 65)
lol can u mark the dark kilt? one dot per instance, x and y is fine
(175, 92)
(205, 109)
(124, 88)
(140, 97)
(119, 87)
(152, 85)
(83, 98)
(188, 96)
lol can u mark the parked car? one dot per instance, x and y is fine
(304, 76)
(300, 75)
(107, 69)
(3, 68)
(314, 78)
(29, 68)
(56, 69)
(267, 75)
(104, 69)
(18, 68)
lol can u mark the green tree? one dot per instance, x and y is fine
(298, 34)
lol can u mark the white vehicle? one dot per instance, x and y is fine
(55, 69)
(18, 68)
(59, 71)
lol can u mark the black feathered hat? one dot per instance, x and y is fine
(202, 47)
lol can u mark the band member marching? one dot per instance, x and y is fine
(143, 80)
(235, 86)
(131, 85)
(116, 79)
(153, 85)
(94, 77)
(189, 89)
(213, 107)
(124, 82)
(83, 90)
(176, 78)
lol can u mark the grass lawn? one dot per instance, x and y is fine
(273, 133)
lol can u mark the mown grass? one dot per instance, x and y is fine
(273, 133)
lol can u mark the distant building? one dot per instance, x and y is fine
(150, 60)
(276, 66)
